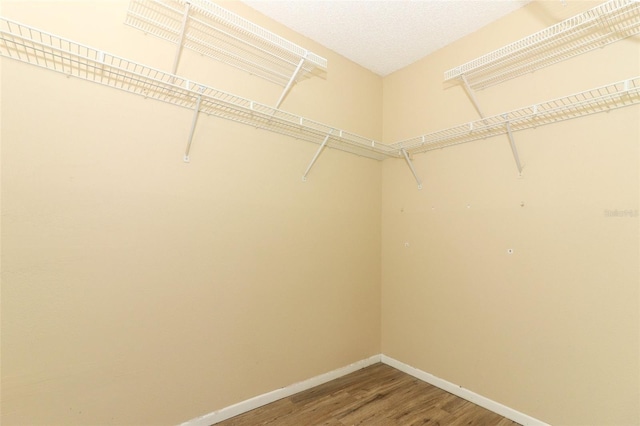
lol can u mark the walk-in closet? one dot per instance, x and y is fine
(214, 207)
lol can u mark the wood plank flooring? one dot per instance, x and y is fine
(378, 395)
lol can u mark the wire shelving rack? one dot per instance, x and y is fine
(597, 27)
(36, 47)
(220, 34)
(45, 50)
(601, 99)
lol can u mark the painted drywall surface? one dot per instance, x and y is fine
(138, 289)
(552, 329)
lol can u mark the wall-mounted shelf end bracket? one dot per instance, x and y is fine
(315, 157)
(514, 148)
(194, 120)
(410, 164)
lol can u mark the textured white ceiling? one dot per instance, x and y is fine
(385, 36)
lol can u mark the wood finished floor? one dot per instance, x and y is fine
(378, 395)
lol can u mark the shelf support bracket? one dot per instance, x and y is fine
(472, 96)
(291, 81)
(315, 157)
(514, 149)
(410, 164)
(194, 120)
(183, 30)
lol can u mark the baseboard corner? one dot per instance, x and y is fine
(463, 393)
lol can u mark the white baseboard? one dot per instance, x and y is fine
(269, 397)
(463, 393)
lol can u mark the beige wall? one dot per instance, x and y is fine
(551, 330)
(138, 289)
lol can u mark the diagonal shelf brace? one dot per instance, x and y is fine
(291, 80)
(194, 120)
(472, 96)
(183, 30)
(410, 164)
(315, 157)
(514, 149)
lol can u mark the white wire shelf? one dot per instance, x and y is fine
(217, 33)
(609, 22)
(30, 45)
(42, 49)
(601, 99)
